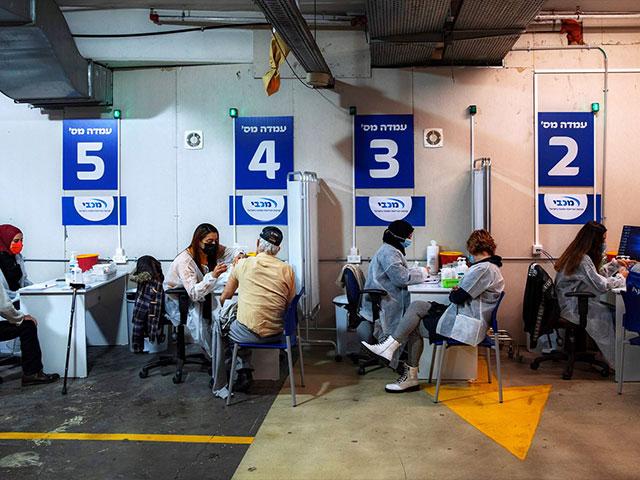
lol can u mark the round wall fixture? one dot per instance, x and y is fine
(193, 139)
(433, 137)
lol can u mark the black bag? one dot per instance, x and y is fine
(540, 308)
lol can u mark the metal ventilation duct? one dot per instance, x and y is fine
(39, 61)
(389, 18)
(287, 20)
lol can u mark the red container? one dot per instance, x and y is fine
(87, 260)
(449, 257)
(611, 255)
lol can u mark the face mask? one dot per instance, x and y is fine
(210, 249)
(407, 242)
(15, 247)
(471, 259)
(603, 250)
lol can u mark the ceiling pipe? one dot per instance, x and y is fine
(544, 17)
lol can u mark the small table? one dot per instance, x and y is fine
(100, 319)
(461, 363)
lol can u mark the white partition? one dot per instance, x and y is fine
(481, 194)
(302, 198)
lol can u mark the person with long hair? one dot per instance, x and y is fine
(13, 275)
(476, 296)
(198, 269)
(580, 269)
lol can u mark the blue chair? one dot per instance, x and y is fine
(489, 343)
(288, 340)
(630, 320)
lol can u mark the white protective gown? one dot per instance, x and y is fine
(390, 272)
(600, 318)
(484, 283)
(184, 272)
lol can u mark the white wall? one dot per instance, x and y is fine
(171, 190)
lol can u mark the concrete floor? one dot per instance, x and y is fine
(346, 427)
(114, 400)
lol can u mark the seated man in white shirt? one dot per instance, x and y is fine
(17, 324)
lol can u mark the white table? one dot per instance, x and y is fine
(100, 319)
(460, 363)
(631, 354)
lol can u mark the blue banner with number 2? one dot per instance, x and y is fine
(565, 149)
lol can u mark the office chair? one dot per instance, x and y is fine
(179, 359)
(489, 343)
(354, 302)
(630, 321)
(288, 340)
(546, 312)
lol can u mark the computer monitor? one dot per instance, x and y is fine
(630, 242)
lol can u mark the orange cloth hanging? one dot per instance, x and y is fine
(277, 54)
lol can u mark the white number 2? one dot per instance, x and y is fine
(267, 148)
(84, 159)
(393, 167)
(562, 168)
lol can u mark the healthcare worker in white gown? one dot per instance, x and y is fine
(579, 270)
(199, 268)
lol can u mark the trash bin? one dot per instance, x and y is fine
(149, 347)
(347, 341)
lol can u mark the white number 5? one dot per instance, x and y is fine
(267, 148)
(84, 159)
(389, 158)
(562, 168)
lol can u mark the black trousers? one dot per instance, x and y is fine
(29, 345)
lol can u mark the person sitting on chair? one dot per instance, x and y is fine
(24, 326)
(579, 270)
(475, 296)
(266, 287)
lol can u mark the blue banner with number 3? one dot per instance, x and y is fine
(264, 152)
(383, 148)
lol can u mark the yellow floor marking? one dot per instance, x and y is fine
(511, 424)
(132, 437)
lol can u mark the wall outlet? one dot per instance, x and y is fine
(537, 249)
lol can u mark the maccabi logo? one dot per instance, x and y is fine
(391, 203)
(264, 202)
(567, 202)
(95, 204)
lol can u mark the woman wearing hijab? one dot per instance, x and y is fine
(390, 272)
(13, 275)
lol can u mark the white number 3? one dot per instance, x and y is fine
(267, 148)
(562, 168)
(393, 167)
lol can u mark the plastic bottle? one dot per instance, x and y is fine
(73, 263)
(433, 252)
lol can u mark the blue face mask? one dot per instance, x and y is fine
(407, 242)
(471, 259)
(603, 249)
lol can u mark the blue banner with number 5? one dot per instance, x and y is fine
(383, 149)
(565, 149)
(264, 152)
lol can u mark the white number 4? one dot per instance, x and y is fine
(267, 149)
(562, 168)
(84, 159)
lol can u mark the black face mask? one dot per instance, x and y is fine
(210, 250)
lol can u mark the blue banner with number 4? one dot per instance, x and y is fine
(264, 152)
(565, 149)
(383, 149)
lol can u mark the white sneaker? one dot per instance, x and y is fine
(385, 349)
(407, 382)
